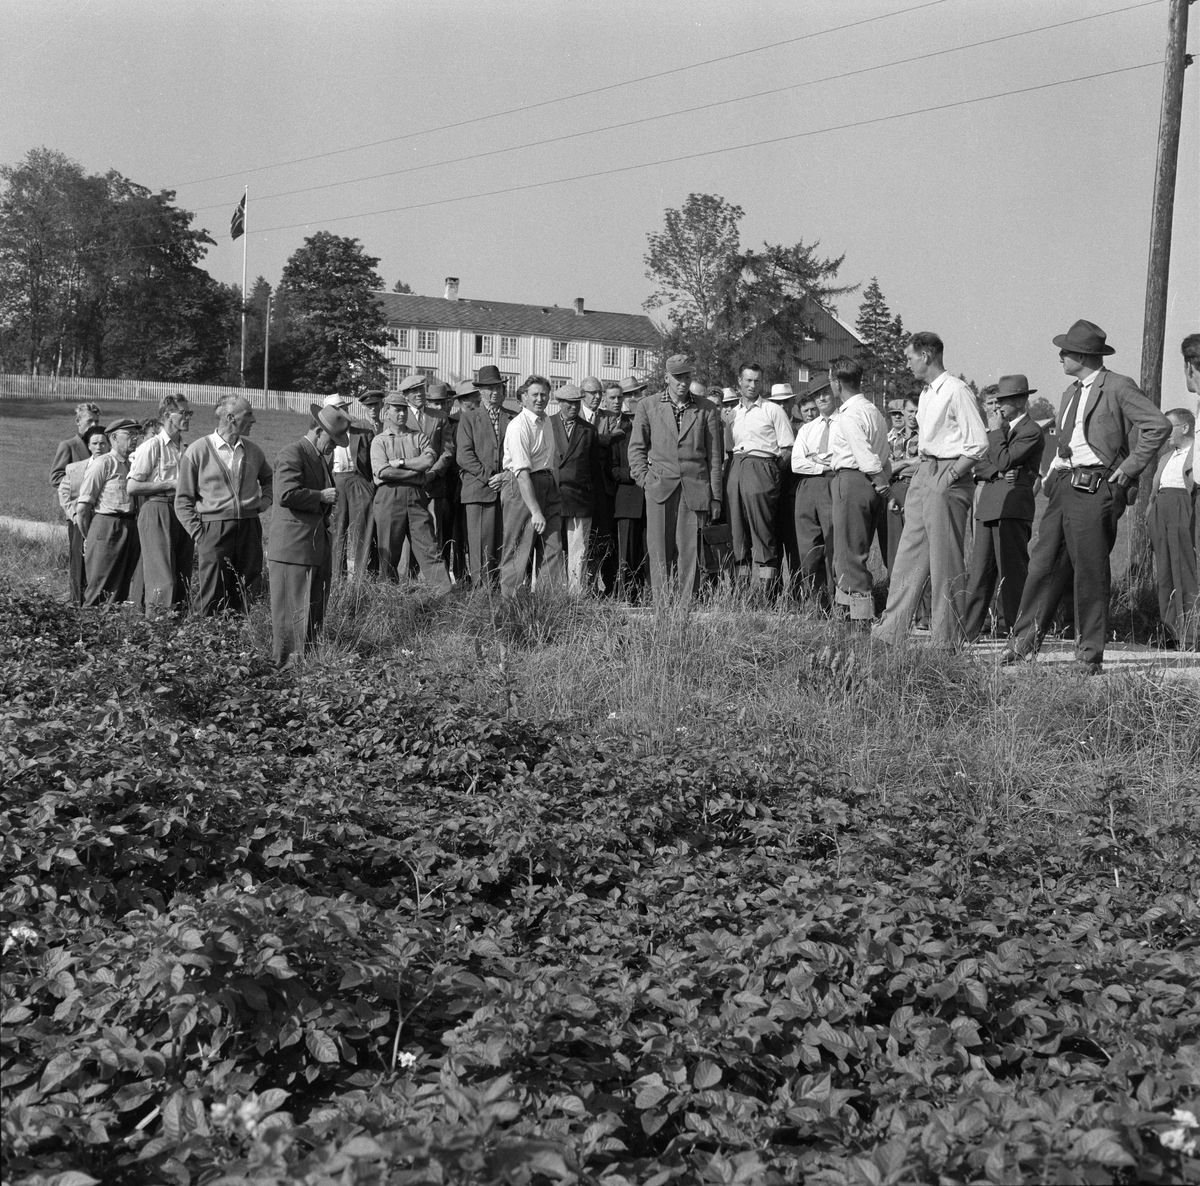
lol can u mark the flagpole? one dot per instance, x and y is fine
(267, 351)
(245, 242)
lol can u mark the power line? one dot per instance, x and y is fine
(645, 119)
(612, 86)
(691, 156)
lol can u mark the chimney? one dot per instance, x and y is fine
(451, 293)
(579, 306)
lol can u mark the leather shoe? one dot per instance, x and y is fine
(1010, 658)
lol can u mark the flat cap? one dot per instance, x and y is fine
(413, 383)
(568, 394)
(370, 398)
(395, 399)
(123, 422)
(679, 364)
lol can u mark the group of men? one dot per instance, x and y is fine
(465, 484)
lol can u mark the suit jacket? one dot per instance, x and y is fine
(1022, 451)
(300, 525)
(577, 459)
(663, 458)
(609, 429)
(72, 449)
(629, 500)
(1189, 471)
(1124, 429)
(440, 432)
(360, 449)
(478, 454)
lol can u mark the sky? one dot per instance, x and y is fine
(995, 223)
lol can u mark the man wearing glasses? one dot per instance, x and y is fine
(224, 484)
(167, 550)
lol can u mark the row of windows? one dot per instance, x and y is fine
(427, 342)
(397, 374)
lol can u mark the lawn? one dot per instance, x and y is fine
(549, 892)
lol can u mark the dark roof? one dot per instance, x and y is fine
(498, 317)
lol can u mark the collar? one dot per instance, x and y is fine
(221, 442)
(1086, 383)
(683, 403)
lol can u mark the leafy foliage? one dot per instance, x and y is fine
(355, 929)
(885, 375)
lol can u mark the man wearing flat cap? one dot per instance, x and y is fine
(1004, 507)
(433, 421)
(105, 516)
(676, 455)
(577, 460)
(350, 522)
(400, 459)
(1108, 432)
(300, 549)
(479, 451)
(70, 451)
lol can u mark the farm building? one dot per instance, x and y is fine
(452, 337)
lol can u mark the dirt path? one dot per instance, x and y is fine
(32, 529)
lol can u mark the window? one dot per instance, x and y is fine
(428, 372)
(395, 376)
(611, 356)
(802, 374)
(398, 338)
(427, 339)
(637, 360)
(562, 351)
(511, 382)
(483, 343)
(558, 382)
(508, 347)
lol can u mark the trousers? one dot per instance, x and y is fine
(112, 556)
(578, 530)
(1000, 554)
(856, 511)
(75, 563)
(402, 515)
(485, 537)
(229, 563)
(521, 542)
(932, 547)
(167, 556)
(752, 496)
(815, 535)
(298, 596)
(1172, 535)
(350, 522)
(673, 543)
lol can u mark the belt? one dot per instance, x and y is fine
(758, 456)
(935, 457)
(826, 474)
(118, 514)
(1090, 469)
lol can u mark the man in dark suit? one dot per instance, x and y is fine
(1108, 433)
(676, 455)
(479, 453)
(577, 460)
(300, 548)
(74, 449)
(1004, 509)
(629, 510)
(351, 519)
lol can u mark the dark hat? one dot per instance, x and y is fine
(370, 398)
(1012, 386)
(125, 423)
(630, 385)
(93, 430)
(465, 389)
(333, 420)
(413, 383)
(679, 364)
(437, 391)
(1084, 337)
(568, 394)
(395, 399)
(489, 376)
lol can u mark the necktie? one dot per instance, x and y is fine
(823, 447)
(1068, 425)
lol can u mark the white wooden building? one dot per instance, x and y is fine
(451, 338)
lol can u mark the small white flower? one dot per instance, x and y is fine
(407, 1059)
(19, 936)
(612, 716)
(1186, 1118)
(1178, 1139)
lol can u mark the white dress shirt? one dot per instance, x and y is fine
(527, 443)
(343, 460)
(231, 455)
(1081, 451)
(762, 427)
(810, 453)
(588, 414)
(156, 459)
(1172, 475)
(859, 439)
(948, 421)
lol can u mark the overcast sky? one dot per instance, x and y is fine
(996, 223)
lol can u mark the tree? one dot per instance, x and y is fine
(885, 374)
(724, 303)
(335, 320)
(400, 286)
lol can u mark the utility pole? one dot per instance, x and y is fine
(267, 348)
(1158, 266)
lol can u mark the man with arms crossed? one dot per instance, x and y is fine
(106, 519)
(676, 449)
(1088, 486)
(951, 439)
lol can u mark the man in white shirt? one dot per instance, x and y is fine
(762, 445)
(167, 549)
(1172, 521)
(811, 463)
(350, 521)
(952, 438)
(858, 453)
(529, 496)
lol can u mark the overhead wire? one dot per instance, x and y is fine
(859, 71)
(599, 90)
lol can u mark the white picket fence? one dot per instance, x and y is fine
(95, 390)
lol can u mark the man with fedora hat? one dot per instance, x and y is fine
(1004, 507)
(1108, 432)
(577, 461)
(400, 459)
(300, 548)
(105, 516)
(351, 518)
(676, 455)
(479, 454)
(429, 416)
(629, 509)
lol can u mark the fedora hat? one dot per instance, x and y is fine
(1012, 386)
(465, 390)
(729, 396)
(630, 385)
(333, 420)
(1084, 337)
(489, 376)
(781, 392)
(336, 400)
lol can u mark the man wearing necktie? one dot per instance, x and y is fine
(300, 546)
(479, 454)
(577, 462)
(1108, 433)
(1004, 510)
(812, 465)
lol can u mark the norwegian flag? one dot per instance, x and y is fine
(237, 224)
